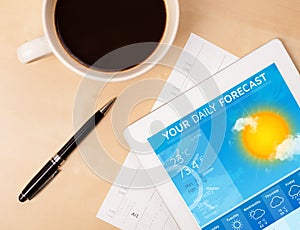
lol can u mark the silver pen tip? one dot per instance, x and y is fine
(107, 106)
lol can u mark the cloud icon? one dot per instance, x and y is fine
(241, 124)
(257, 214)
(294, 191)
(276, 201)
(288, 149)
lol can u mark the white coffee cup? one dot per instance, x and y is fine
(51, 44)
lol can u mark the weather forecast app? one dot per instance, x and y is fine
(235, 160)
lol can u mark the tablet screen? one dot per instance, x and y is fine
(235, 160)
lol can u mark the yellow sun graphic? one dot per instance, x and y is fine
(269, 131)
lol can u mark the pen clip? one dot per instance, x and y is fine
(44, 184)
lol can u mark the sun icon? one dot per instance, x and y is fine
(237, 224)
(269, 131)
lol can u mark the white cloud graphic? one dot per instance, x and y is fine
(257, 214)
(288, 149)
(241, 124)
(276, 201)
(294, 191)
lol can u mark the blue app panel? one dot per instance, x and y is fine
(277, 202)
(235, 220)
(257, 213)
(291, 187)
(273, 204)
(216, 225)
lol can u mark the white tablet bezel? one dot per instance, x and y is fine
(140, 131)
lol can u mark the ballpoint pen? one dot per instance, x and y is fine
(51, 168)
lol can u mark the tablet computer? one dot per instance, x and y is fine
(226, 153)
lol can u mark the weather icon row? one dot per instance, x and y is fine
(264, 209)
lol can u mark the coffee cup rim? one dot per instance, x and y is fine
(171, 28)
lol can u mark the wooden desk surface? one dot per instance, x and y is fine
(37, 103)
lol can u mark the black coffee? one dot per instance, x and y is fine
(91, 29)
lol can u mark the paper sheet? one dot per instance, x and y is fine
(128, 208)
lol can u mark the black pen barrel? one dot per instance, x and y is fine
(51, 167)
(88, 126)
(49, 170)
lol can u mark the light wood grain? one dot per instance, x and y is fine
(37, 104)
